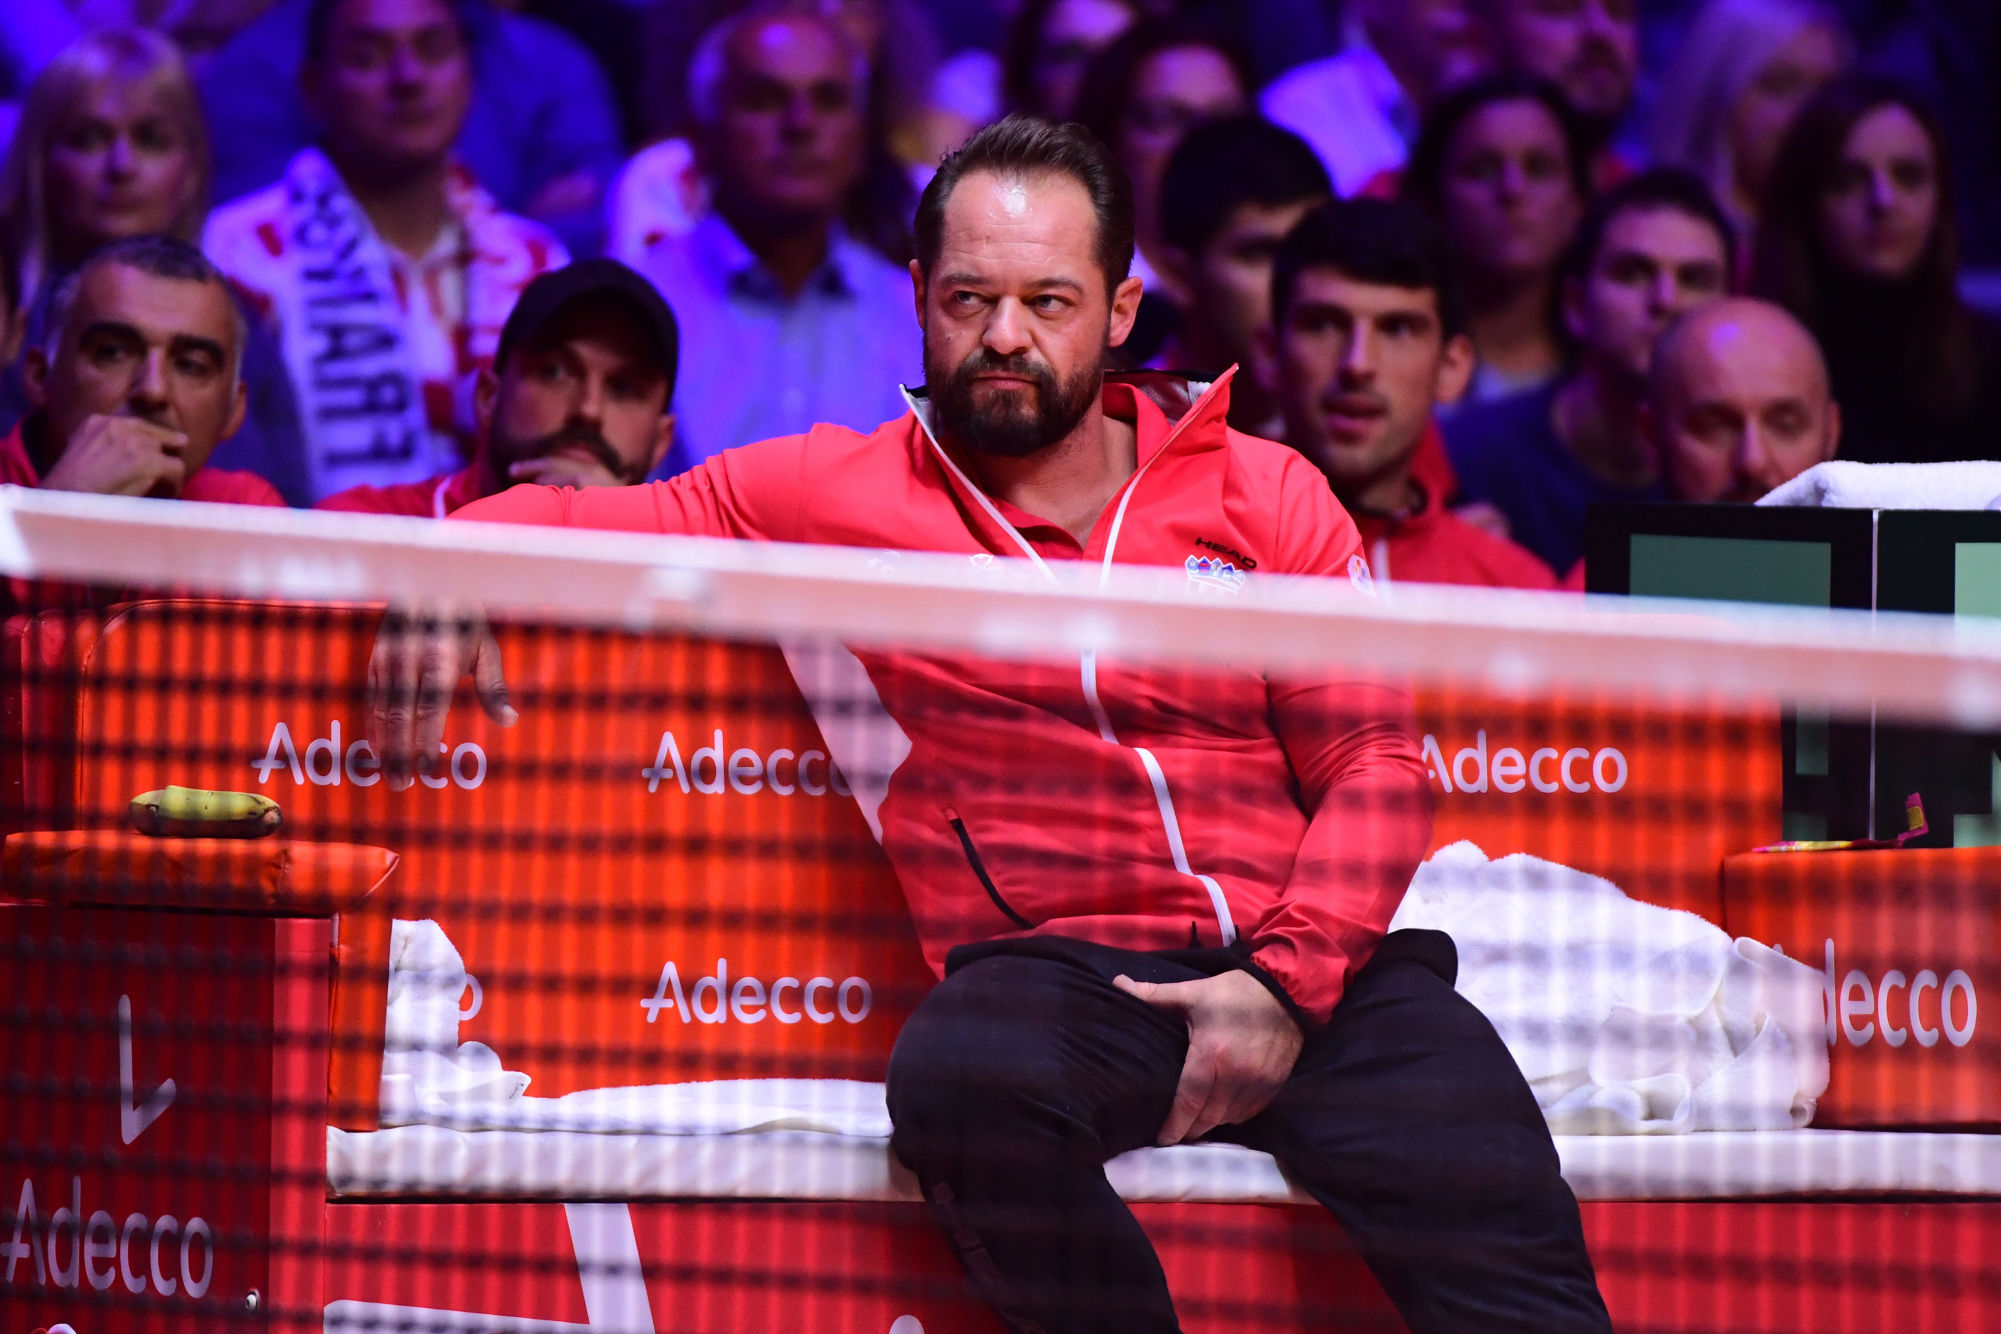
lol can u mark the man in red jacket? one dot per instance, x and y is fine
(1368, 333)
(1158, 915)
(577, 395)
(138, 383)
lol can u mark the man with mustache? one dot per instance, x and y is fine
(577, 395)
(1368, 333)
(1158, 909)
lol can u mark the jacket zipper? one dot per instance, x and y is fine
(1088, 665)
(980, 870)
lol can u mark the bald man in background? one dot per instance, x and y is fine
(1738, 402)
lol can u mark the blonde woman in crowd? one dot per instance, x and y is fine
(1743, 72)
(112, 144)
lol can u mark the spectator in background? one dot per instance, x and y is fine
(1740, 77)
(1050, 44)
(385, 269)
(1361, 109)
(1588, 48)
(1858, 238)
(541, 132)
(1648, 249)
(662, 191)
(792, 321)
(138, 383)
(1738, 402)
(1139, 96)
(1231, 191)
(577, 395)
(1952, 49)
(1502, 167)
(113, 145)
(1368, 333)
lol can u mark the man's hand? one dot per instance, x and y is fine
(1241, 1048)
(564, 470)
(418, 661)
(120, 456)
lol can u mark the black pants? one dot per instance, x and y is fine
(1026, 1070)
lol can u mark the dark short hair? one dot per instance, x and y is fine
(1424, 177)
(1671, 188)
(160, 257)
(1024, 145)
(1221, 165)
(320, 17)
(1370, 241)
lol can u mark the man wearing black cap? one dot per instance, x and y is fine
(577, 395)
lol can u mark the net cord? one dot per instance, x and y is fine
(1928, 669)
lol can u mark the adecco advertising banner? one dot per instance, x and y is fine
(1652, 799)
(655, 876)
(135, 1185)
(1909, 941)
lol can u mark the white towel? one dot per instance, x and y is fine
(426, 1070)
(1893, 486)
(1626, 1018)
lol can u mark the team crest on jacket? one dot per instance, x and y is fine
(1359, 576)
(1208, 575)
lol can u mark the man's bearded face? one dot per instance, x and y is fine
(1004, 417)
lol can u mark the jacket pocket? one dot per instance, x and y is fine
(980, 870)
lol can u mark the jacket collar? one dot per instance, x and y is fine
(1424, 513)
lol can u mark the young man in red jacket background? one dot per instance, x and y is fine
(1368, 334)
(1158, 909)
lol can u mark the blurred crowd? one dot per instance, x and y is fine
(1485, 262)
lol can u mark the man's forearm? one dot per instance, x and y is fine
(1366, 837)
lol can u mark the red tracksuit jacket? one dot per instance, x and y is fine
(1146, 809)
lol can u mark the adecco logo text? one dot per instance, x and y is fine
(715, 768)
(68, 1249)
(1895, 1005)
(324, 763)
(716, 1000)
(1511, 769)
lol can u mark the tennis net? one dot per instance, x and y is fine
(596, 986)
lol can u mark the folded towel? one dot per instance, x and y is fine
(426, 1071)
(1893, 486)
(1626, 1018)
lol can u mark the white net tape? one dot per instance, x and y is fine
(1918, 668)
